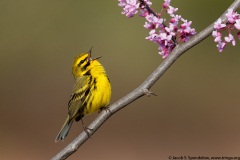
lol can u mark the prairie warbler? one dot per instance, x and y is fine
(91, 92)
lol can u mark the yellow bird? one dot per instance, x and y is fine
(91, 92)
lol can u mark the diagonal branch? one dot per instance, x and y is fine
(141, 90)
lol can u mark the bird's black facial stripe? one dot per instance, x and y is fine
(82, 61)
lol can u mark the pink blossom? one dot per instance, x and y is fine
(175, 19)
(231, 16)
(233, 21)
(130, 7)
(148, 2)
(237, 24)
(218, 24)
(166, 3)
(171, 11)
(221, 46)
(164, 53)
(143, 12)
(186, 31)
(162, 33)
(185, 24)
(152, 36)
(230, 38)
(171, 29)
(153, 22)
(217, 35)
(149, 26)
(165, 39)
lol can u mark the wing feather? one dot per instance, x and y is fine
(76, 102)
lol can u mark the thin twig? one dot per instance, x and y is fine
(139, 91)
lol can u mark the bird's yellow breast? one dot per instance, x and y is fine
(100, 88)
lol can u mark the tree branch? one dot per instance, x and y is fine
(141, 90)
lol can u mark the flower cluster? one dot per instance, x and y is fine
(166, 35)
(233, 21)
(130, 7)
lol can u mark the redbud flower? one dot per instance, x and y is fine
(143, 12)
(130, 7)
(233, 21)
(221, 46)
(175, 19)
(217, 35)
(186, 31)
(162, 33)
(171, 29)
(231, 16)
(171, 11)
(165, 39)
(152, 36)
(218, 25)
(237, 24)
(230, 38)
(153, 22)
(166, 3)
(148, 2)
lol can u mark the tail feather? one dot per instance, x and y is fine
(65, 129)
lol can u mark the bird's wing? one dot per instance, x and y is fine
(75, 104)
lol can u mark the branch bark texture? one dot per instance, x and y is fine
(141, 90)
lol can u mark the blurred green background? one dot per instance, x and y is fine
(196, 112)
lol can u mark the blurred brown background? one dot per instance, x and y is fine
(196, 112)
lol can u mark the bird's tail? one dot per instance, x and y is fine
(65, 129)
